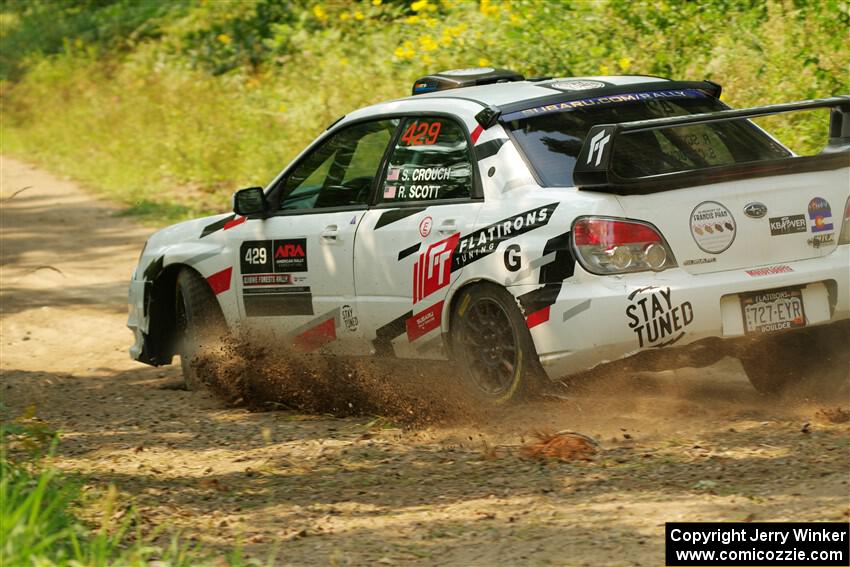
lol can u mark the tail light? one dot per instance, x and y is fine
(613, 246)
(844, 237)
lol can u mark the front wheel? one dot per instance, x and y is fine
(200, 323)
(491, 341)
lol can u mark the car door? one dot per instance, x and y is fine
(407, 253)
(296, 269)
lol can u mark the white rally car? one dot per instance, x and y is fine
(525, 228)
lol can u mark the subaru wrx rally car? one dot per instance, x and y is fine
(528, 228)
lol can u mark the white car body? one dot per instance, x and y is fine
(381, 279)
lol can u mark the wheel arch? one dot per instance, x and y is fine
(161, 302)
(457, 292)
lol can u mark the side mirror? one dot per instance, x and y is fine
(250, 201)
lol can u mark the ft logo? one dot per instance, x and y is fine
(597, 146)
(434, 268)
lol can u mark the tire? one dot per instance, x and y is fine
(815, 361)
(200, 323)
(491, 342)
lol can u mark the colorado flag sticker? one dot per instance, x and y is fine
(820, 215)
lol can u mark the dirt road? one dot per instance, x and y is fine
(695, 445)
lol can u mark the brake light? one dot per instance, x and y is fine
(844, 237)
(614, 246)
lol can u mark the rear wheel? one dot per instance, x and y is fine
(200, 323)
(491, 341)
(815, 361)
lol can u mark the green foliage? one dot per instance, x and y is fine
(168, 107)
(39, 506)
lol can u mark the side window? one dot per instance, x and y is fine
(430, 161)
(341, 171)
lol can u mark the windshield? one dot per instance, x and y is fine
(551, 136)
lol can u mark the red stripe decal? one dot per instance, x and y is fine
(424, 321)
(315, 337)
(234, 222)
(220, 281)
(476, 133)
(538, 317)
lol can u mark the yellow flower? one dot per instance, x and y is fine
(625, 63)
(376, 2)
(224, 38)
(281, 108)
(419, 5)
(427, 43)
(412, 20)
(603, 69)
(427, 59)
(430, 22)
(343, 60)
(358, 15)
(488, 9)
(446, 39)
(405, 50)
(320, 13)
(483, 62)
(344, 16)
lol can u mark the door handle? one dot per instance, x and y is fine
(331, 232)
(447, 227)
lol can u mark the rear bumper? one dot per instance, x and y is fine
(602, 319)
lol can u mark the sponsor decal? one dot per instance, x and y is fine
(597, 146)
(755, 210)
(433, 269)
(769, 271)
(273, 256)
(712, 227)
(349, 319)
(577, 85)
(393, 173)
(353, 220)
(484, 241)
(605, 100)
(819, 240)
(409, 250)
(513, 259)
(290, 255)
(479, 129)
(655, 318)
(697, 261)
(820, 214)
(268, 301)
(220, 281)
(424, 322)
(425, 226)
(266, 279)
(390, 191)
(788, 224)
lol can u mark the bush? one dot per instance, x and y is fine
(168, 110)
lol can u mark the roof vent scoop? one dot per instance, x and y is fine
(458, 78)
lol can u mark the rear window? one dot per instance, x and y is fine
(551, 136)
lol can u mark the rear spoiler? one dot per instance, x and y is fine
(594, 168)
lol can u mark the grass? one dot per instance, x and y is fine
(47, 519)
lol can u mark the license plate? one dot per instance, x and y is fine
(773, 310)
